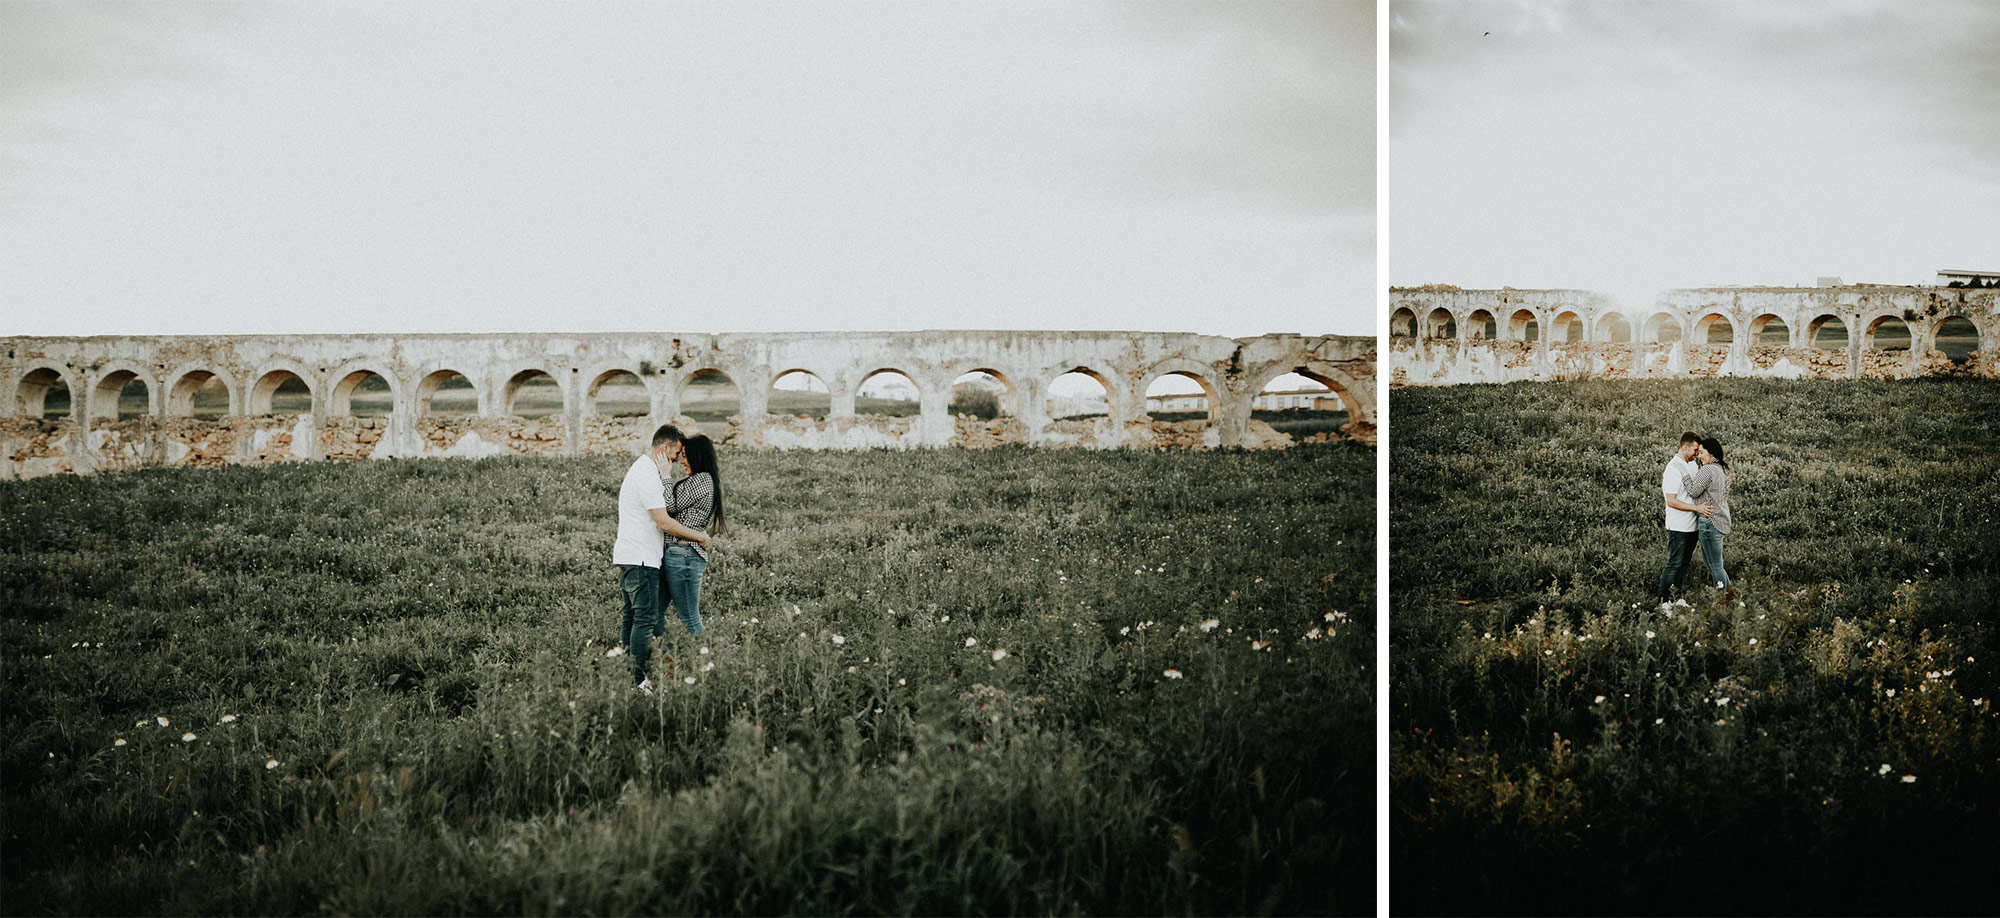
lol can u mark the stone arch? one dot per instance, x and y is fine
(106, 393)
(31, 394)
(709, 393)
(614, 377)
(183, 385)
(908, 408)
(1440, 324)
(522, 382)
(808, 394)
(1111, 393)
(1340, 383)
(1403, 323)
(1761, 327)
(1009, 395)
(427, 391)
(347, 379)
(1185, 369)
(1955, 336)
(1566, 328)
(1614, 328)
(1481, 326)
(1662, 328)
(1816, 326)
(1889, 327)
(261, 395)
(1705, 329)
(1524, 325)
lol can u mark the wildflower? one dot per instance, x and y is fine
(902, 682)
(971, 642)
(1909, 779)
(705, 667)
(228, 719)
(999, 655)
(1659, 720)
(1753, 642)
(187, 737)
(944, 618)
(1256, 645)
(1719, 702)
(270, 764)
(118, 742)
(1488, 635)
(162, 719)
(1892, 693)
(689, 680)
(1208, 625)
(837, 639)
(1600, 700)
(1548, 653)
(1649, 635)
(1125, 631)
(1328, 616)
(704, 651)
(1172, 674)
(1883, 770)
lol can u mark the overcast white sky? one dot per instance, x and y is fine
(229, 168)
(1631, 147)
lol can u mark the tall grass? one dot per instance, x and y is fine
(1827, 744)
(420, 718)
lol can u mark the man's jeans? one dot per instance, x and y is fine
(1711, 554)
(644, 614)
(1680, 545)
(681, 569)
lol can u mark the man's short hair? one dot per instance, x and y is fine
(667, 433)
(1686, 438)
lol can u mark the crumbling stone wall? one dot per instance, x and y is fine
(1625, 340)
(250, 367)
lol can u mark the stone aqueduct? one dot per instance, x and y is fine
(92, 437)
(1441, 336)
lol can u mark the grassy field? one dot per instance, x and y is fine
(1827, 745)
(1013, 681)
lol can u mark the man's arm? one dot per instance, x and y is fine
(1673, 501)
(673, 527)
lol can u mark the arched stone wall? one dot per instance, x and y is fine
(1745, 310)
(1232, 370)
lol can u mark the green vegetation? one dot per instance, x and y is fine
(1298, 422)
(1826, 745)
(391, 681)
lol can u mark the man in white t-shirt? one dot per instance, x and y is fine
(1681, 539)
(642, 515)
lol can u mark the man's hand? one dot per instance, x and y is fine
(1705, 509)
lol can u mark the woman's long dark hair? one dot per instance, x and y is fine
(1714, 448)
(701, 458)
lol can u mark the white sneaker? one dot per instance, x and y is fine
(645, 687)
(615, 652)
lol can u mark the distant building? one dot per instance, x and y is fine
(1947, 277)
(1830, 282)
(1309, 399)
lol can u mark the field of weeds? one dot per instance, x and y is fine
(1827, 744)
(1013, 681)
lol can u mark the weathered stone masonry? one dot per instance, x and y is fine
(1615, 340)
(251, 368)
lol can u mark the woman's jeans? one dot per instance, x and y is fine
(1711, 553)
(681, 569)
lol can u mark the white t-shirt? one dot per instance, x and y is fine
(640, 540)
(1672, 484)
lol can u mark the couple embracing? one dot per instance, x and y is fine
(1696, 487)
(662, 546)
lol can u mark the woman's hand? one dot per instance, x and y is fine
(1705, 509)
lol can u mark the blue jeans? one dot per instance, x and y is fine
(681, 568)
(1711, 553)
(643, 616)
(1680, 545)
